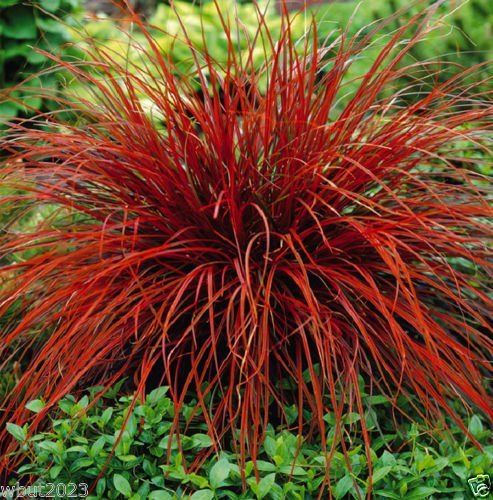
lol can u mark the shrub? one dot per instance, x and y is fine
(203, 29)
(462, 40)
(406, 463)
(24, 25)
(261, 235)
(203, 26)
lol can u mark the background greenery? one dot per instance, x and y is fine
(23, 26)
(461, 39)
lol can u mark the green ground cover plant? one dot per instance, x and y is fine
(264, 231)
(83, 445)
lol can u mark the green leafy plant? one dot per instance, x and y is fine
(461, 40)
(205, 30)
(24, 25)
(188, 29)
(84, 445)
(263, 234)
(461, 37)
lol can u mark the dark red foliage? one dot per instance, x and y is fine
(265, 231)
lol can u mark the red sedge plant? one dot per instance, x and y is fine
(264, 233)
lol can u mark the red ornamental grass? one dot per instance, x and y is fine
(264, 232)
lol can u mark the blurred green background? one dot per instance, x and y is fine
(462, 37)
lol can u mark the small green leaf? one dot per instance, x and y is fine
(475, 426)
(8, 109)
(55, 471)
(291, 414)
(84, 401)
(330, 418)
(265, 485)
(159, 495)
(157, 394)
(270, 446)
(81, 463)
(17, 431)
(403, 488)
(30, 102)
(106, 416)
(441, 463)
(203, 495)
(201, 441)
(149, 467)
(352, 418)
(388, 459)
(50, 446)
(47, 25)
(158, 481)
(77, 449)
(97, 447)
(380, 473)
(378, 400)
(66, 405)
(101, 487)
(427, 462)
(219, 472)
(460, 470)
(36, 405)
(122, 485)
(422, 492)
(290, 470)
(165, 443)
(50, 5)
(81, 440)
(343, 486)
(386, 494)
(264, 466)
(198, 481)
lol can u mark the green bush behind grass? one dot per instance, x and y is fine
(78, 444)
(23, 26)
(462, 39)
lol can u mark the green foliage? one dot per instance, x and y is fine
(461, 37)
(23, 26)
(466, 30)
(205, 28)
(204, 32)
(147, 461)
